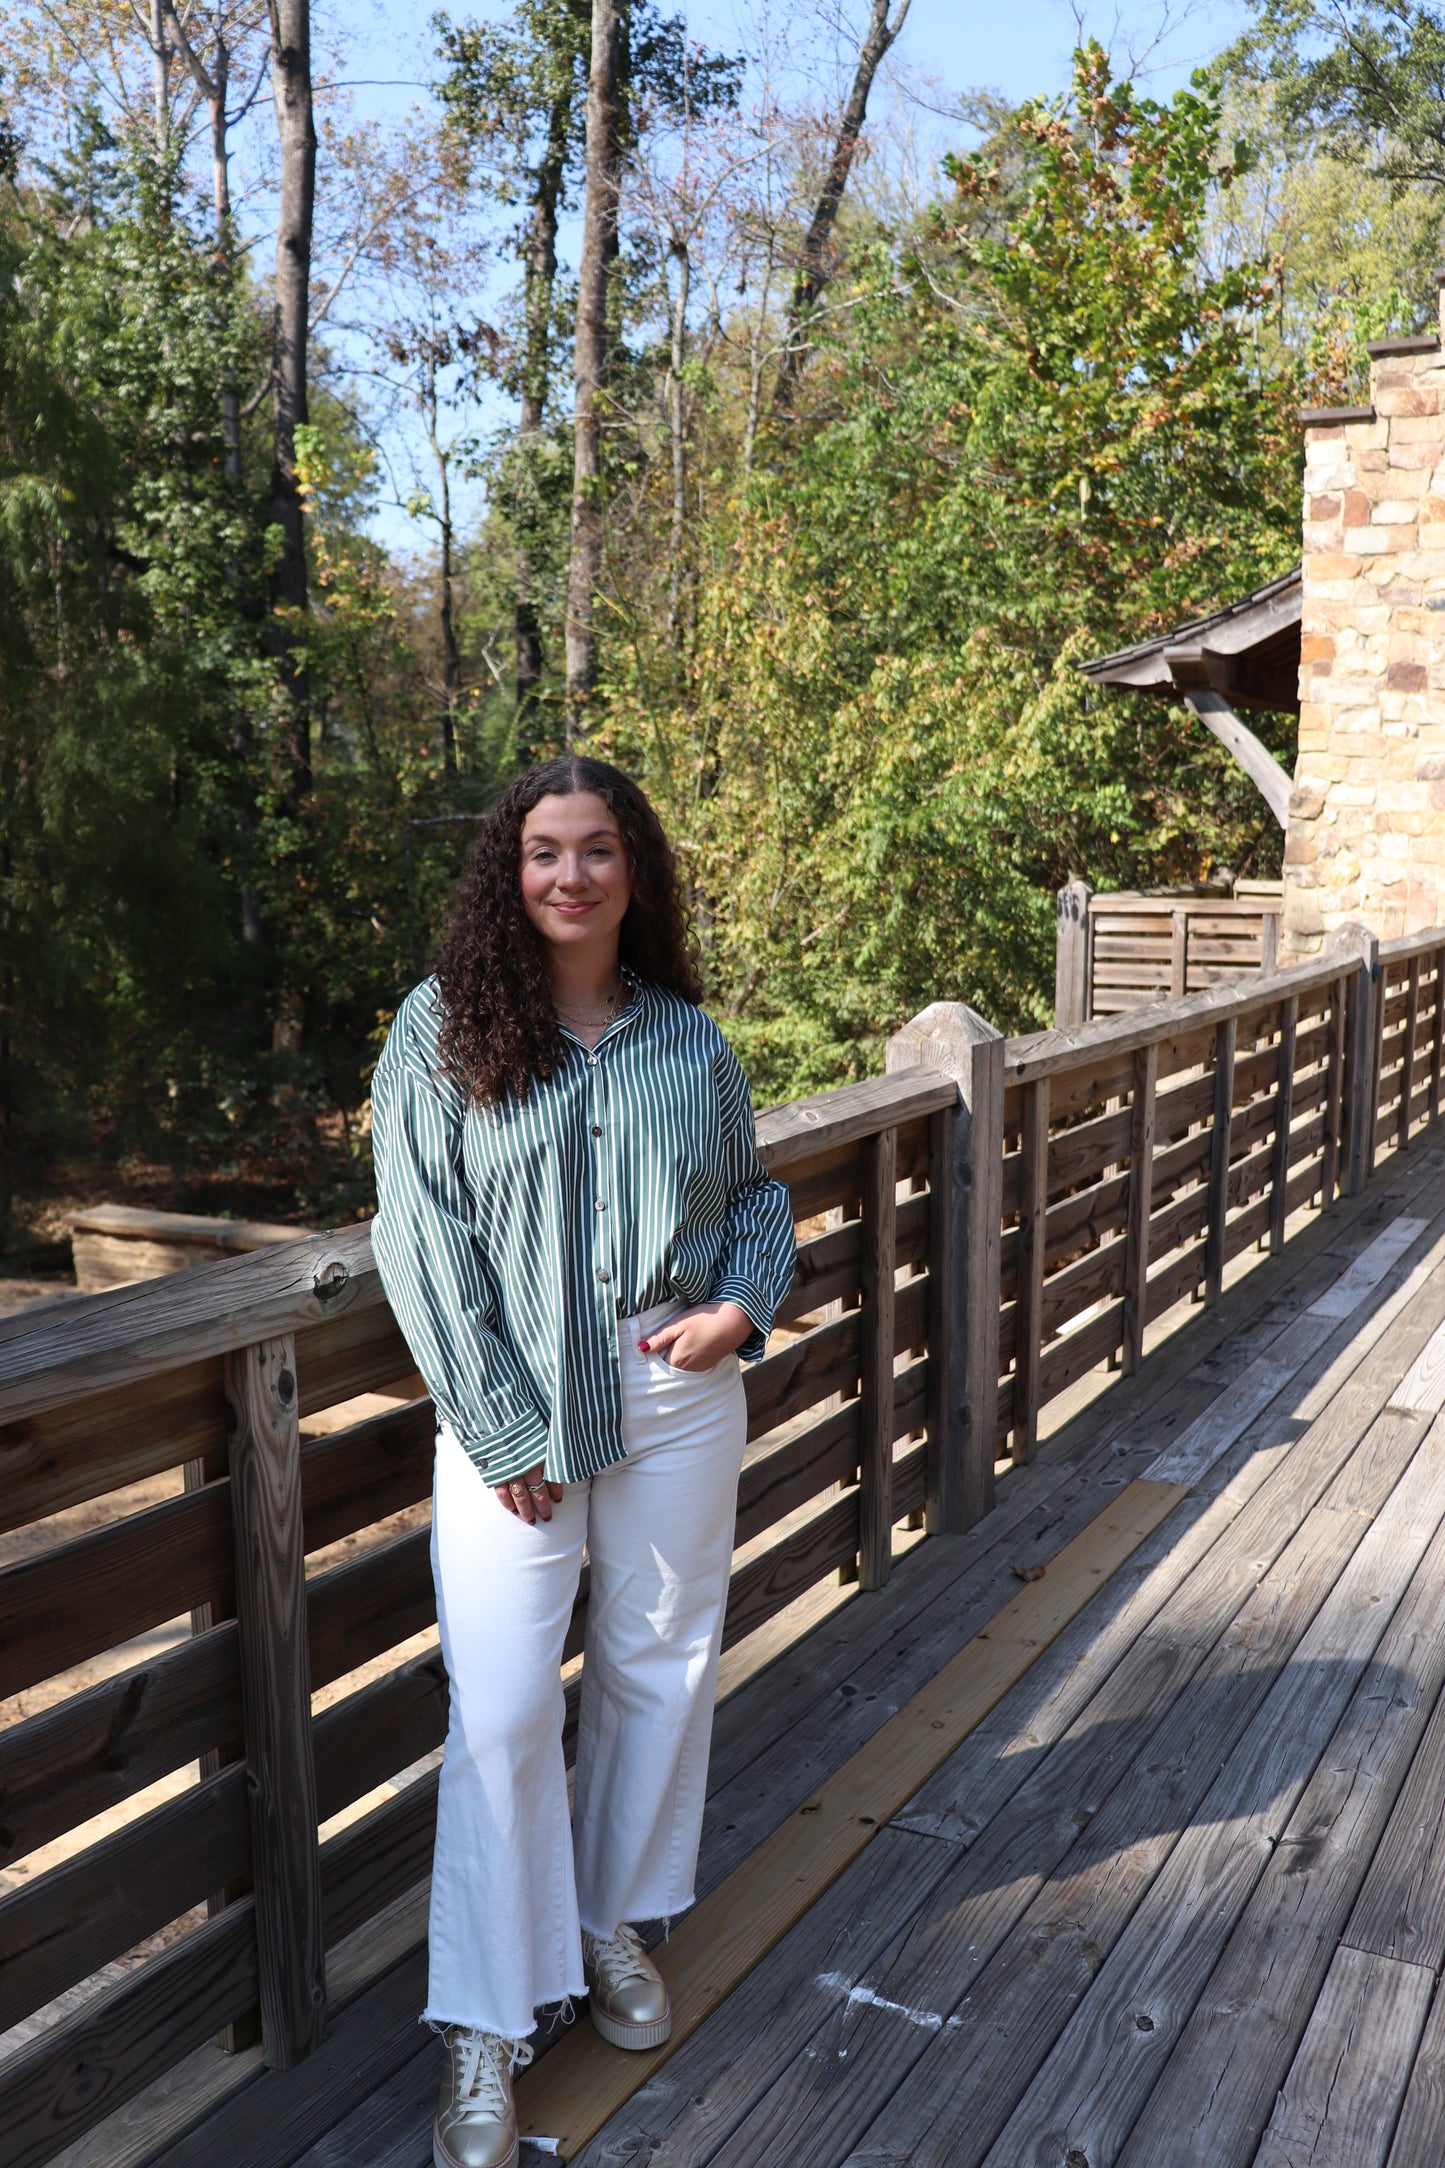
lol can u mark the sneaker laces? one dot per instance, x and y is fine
(485, 2062)
(619, 1959)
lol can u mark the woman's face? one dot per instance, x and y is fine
(576, 884)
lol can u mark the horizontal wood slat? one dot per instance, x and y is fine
(67, 1923)
(99, 1747)
(65, 2082)
(106, 1587)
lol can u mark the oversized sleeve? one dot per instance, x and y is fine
(434, 1274)
(755, 1264)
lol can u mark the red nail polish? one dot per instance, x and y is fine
(645, 1346)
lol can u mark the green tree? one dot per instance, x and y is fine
(1040, 432)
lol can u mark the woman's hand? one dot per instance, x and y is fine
(698, 1339)
(531, 1497)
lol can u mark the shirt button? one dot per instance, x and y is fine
(605, 1278)
(592, 1061)
(597, 1129)
(602, 1204)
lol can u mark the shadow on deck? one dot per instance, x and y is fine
(1175, 1893)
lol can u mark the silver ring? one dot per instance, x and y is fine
(536, 1489)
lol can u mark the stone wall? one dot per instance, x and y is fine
(1366, 833)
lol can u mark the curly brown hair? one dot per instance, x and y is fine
(499, 1032)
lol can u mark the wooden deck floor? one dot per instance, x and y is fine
(1179, 1897)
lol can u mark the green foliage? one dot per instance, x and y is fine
(1038, 435)
(1365, 81)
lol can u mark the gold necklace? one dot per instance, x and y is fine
(585, 1016)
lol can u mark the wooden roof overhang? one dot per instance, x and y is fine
(1246, 655)
(1248, 652)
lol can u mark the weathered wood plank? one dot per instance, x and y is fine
(1141, 1195)
(66, 1924)
(1220, 1154)
(1104, 2068)
(795, 1133)
(1047, 1053)
(1422, 2117)
(1276, 1508)
(104, 1588)
(69, 2079)
(283, 2112)
(1284, 1110)
(136, 1332)
(1028, 1310)
(1423, 1385)
(981, 1955)
(265, 1467)
(1290, 1914)
(1365, 1272)
(580, 2085)
(1338, 2106)
(98, 1747)
(683, 2114)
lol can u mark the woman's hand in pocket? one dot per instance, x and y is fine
(698, 1339)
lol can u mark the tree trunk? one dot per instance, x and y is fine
(451, 657)
(813, 269)
(220, 83)
(599, 249)
(540, 279)
(291, 87)
(675, 419)
(160, 78)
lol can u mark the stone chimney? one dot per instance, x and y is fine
(1366, 834)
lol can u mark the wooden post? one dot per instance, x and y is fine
(1219, 1146)
(1334, 1095)
(1437, 1036)
(260, 1385)
(966, 1177)
(1360, 1059)
(1268, 943)
(1141, 1198)
(1283, 1116)
(875, 1501)
(1178, 954)
(1029, 1308)
(1407, 1063)
(1380, 991)
(1073, 955)
(1358, 951)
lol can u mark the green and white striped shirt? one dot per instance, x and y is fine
(511, 1238)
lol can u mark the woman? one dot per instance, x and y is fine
(579, 1242)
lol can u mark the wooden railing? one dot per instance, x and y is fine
(214, 1372)
(979, 1228)
(1139, 1154)
(1116, 953)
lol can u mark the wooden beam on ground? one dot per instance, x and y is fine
(585, 2081)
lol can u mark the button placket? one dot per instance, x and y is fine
(601, 1241)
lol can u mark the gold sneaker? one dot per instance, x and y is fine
(626, 1992)
(476, 2125)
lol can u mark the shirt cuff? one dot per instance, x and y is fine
(746, 1296)
(512, 1451)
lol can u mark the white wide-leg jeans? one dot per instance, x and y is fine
(513, 1880)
